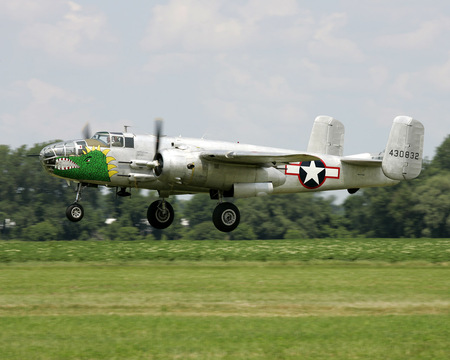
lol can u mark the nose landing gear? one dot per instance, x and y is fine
(75, 211)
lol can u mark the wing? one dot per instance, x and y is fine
(255, 157)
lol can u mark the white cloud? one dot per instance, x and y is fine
(32, 10)
(424, 36)
(218, 25)
(42, 111)
(327, 45)
(170, 62)
(70, 35)
(191, 25)
(402, 86)
(379, 76)
(43, 92)
(439, 75)
(257, 10)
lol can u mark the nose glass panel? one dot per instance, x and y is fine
(50, 153)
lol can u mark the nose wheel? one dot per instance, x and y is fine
(226, 217)
(75, 212)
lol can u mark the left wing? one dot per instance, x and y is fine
(255, 157)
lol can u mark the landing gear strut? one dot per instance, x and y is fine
(160, 214)
(75, 211)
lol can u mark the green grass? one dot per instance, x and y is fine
(173, 337)
(240, 310)
(309, 299)
(386, 250)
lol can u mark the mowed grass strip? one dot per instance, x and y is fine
(233, 289)
(173, 337)
(349, 250)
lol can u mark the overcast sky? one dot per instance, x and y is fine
(256, 71)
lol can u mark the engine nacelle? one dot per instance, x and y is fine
(178, 166)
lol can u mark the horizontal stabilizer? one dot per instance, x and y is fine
(361, 160)
(327, 136)
(404, 150)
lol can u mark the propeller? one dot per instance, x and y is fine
(158, 158)
(86, 131)
(158, 131)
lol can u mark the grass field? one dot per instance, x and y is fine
(131, 308)
(348, 250)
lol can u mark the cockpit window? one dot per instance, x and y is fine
(81, 146)
(104, 137)
(116, 140)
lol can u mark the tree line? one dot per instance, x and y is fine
(32, 207)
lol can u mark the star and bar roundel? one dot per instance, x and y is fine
(312, 174)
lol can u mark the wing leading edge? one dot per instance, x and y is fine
(255, 158)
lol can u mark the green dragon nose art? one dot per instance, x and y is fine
(94, 164)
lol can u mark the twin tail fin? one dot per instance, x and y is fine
(404, 150)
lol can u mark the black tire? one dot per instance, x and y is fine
(75, 212)
(160, 214)
(226, 217)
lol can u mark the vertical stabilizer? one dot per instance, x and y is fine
(404, 150)
(327, 136)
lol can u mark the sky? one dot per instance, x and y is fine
(253, 71)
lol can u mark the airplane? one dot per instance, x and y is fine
(226, 170)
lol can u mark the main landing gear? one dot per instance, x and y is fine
(226, 216)
(160, 214)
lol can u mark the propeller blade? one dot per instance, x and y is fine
(86, 131)
(158, 132)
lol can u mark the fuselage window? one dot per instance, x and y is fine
(69, 148)
(129, 142)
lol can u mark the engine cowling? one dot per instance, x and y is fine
(178, 166)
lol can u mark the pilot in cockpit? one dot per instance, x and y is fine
(117, 141)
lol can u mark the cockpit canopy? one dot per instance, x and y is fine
(115, 139)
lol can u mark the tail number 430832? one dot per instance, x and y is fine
(405, 154)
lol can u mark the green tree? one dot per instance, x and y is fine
(433, 204)
(199, 209)
(42, 231)
(441, 160)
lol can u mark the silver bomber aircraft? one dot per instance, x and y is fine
(225, 170)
